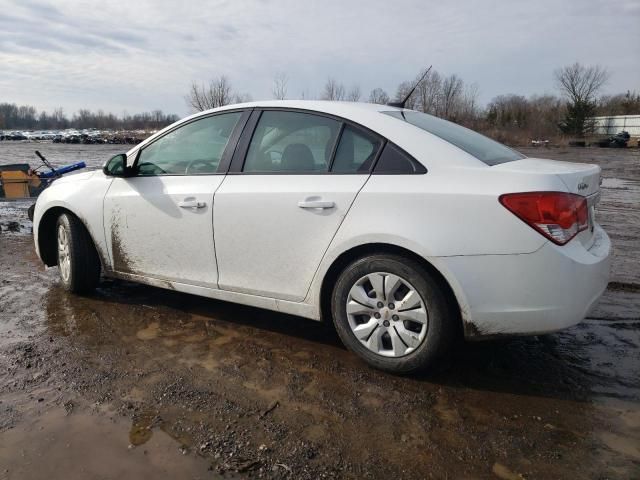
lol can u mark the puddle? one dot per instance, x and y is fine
(142, 428)
(13, 218)
(624, 445)
(617, 183)
(86, 446)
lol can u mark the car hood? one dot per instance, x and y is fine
(76, 177)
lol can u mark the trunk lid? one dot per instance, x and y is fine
(580, 178)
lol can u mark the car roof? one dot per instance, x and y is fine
(345, 109)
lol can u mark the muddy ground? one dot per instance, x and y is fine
(134, 381)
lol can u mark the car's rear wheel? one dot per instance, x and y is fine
(78, 261)
(393, 313)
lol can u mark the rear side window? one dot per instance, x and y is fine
(356, 151)
(484, 149)
(291, 142)
(393, 161)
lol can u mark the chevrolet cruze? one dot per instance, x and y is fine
(405, 230)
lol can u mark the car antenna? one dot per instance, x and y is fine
(402, 103)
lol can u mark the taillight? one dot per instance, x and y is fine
(558, 216)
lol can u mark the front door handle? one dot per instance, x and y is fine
(316, 204)
(191, 204)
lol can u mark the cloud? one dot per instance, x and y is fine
(38, 8)
(35, 25)
(142, 55)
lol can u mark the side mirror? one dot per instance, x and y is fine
(116, 166)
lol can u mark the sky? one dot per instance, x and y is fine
(137, 55)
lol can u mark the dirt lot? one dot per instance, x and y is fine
(138, 382)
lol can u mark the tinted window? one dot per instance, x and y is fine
(481, 147)
(394, 161)
(356, 151)
(195, 148)
(291, 142)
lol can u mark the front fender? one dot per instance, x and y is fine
(83, 198)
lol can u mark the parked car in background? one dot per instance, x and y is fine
(405, 230)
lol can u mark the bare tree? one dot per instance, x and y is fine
(157, 117)
(216, 94)
(279, 89)
(354, 94)
(427, 92)
(452, 87)
(59, 118)
(509, 112)
(333, 90)
(621, 104)
(378, 95)
(468, 108)
(546, 114)
(403, 90)
(82, 116)
(580, 84)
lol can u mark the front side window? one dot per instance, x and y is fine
(356, 151)
(484, 149)
(195, 148)
(291, 142)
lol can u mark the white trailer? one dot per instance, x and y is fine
(610, 125)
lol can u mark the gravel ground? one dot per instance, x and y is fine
(136, 381)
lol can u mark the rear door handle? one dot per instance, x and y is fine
(316, 204)
(191, 204)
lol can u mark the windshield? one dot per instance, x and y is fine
(481, 147)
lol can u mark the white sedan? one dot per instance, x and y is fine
(406, 230)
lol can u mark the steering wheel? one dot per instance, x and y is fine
(155, 170)
(198, 161)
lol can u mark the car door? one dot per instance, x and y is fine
(292, 183)
(158, 221)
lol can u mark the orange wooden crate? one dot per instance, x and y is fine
(16, 183)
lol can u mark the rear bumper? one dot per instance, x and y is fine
(548, 290)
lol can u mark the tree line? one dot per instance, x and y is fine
(26, 117)
(510, 118)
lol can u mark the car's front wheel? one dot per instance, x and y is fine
(78, 261)
(393, 313)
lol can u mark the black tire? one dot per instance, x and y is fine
(83, 273)
(442, 317)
